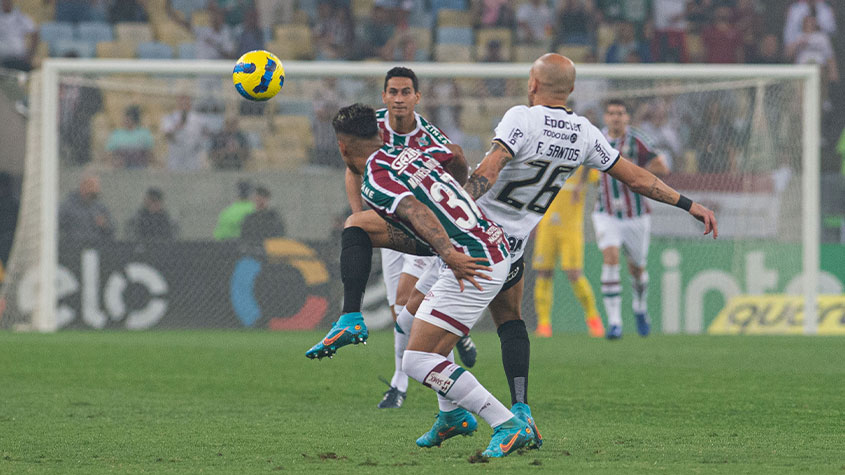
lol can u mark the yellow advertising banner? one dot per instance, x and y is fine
(777, 315)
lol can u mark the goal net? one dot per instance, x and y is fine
(110, 142)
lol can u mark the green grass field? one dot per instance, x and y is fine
(250, 402)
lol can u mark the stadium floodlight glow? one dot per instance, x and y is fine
(42, 196)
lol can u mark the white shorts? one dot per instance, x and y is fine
(445, 306)
(391, 267)
(633, 234)
(395, 263)
(415, 266)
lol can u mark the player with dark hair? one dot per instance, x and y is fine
(400, 126)
(414, 193)
(622, 218)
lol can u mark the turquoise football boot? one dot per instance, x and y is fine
(509, 437)
(522, 411)
(349, 329)
(448, 425)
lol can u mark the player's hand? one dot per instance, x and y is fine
(467, 268)
(707, 217)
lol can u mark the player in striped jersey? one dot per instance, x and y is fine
(411, 190)
(401, 126)
(622, 219)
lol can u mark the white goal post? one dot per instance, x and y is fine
(44, 316)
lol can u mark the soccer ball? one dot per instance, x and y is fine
(258, 75)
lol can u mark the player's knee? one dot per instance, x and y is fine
(417, 364)
(573, 274)
(545, 274)
(610, 255)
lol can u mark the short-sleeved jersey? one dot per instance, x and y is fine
(615, 198)
(548, 144)
(563, 214)
(425, 136)
(392, 174)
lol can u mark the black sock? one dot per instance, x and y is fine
(356, 260)
(516, 352)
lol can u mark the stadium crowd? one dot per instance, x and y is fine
(116, 130)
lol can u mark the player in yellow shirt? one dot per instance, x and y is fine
(561, 233)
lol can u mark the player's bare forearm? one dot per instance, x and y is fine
(457, 166)
(353, 190)
(642, 181)
(384, 234)
(485, 176)
(425, 223)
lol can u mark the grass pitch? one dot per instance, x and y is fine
(250, 402)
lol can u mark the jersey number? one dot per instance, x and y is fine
(440, 192)
(549, 187)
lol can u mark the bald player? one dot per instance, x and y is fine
(535, 149)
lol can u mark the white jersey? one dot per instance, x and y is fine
(548, 144)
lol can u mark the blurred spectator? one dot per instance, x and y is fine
(767, 51)
(9, 208)
(333, 31)
(132, 145)
(533, 21)
(723, 42)
(274, 12)
(127, 11)
(493, 13)
(77, 105)
(152, 221)
(495, 87)
(185, 136)
(699, 13)
(625, 43)
(445, 105)
(813, 46)
(82, 216)
(632, 11)
(264, 222)
(670, 29)
(748, 20)
(716, 135)
(801, 9)
(326, 104)
(18, 37)
(230, 219)
(229, 147)
(378, 31)
(251, 36)
(235, 11)
(576, 22)
(216, 41)
(73, 11)
(664, 136)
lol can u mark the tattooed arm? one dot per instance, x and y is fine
(485, 176)
(426, 224)
(642, 181)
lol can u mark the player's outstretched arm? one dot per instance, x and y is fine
(353, 190)
(425, 223)
(485, 176)
(642, 181)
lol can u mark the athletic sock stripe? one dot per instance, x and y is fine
(451, 321)
(611, 295)
(610, 282)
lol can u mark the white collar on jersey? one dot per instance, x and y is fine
(409, 134)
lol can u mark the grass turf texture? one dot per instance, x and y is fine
(250, 402)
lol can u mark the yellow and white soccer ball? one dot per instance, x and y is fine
(258, 75)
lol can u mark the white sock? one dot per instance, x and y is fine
(404, 320)
(444, 404)
(611, 290)
(640, 293)
(455, 384)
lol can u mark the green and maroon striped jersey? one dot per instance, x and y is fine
(394, 173)
(615, 198)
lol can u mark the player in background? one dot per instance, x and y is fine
(622, 219)
(410, 189)
(560, 234)
(401, 126)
